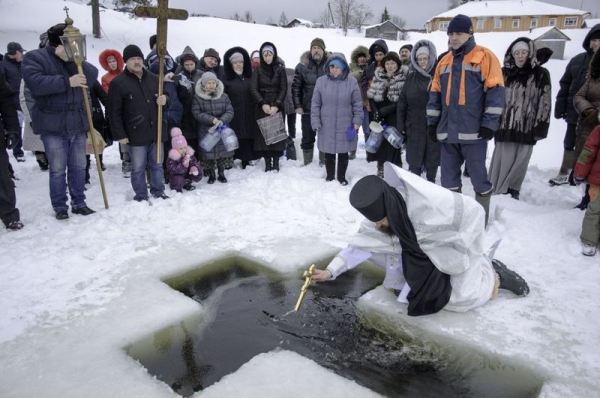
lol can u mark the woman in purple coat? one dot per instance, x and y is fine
(336, 113)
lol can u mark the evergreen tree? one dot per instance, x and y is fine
(385, 16)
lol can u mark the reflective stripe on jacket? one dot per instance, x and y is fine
(467, 93)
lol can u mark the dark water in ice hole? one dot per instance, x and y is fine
(248, 317)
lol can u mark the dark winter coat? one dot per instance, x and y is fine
(217, 70)
(528, 101)
(385, 90)
(289, 97)
(205, 108)
(187, 80)
(132, 108)
(9, 121)
(239, 90)
(336, 106)
(59, 108)
(110, 74)
(412, 104)
(357, 70)
(572, 80)
(305, 77)
(99, 98)
(587, 103)
(588, 163)
(369, 72)
(12, 73)
(269, 86)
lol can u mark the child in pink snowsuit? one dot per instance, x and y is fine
(182, 166)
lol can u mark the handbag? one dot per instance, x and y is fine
(100, 144)
(272, 128)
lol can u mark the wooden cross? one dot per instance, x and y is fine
(162, 13)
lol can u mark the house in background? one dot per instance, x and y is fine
(511, 16)
(589, 23)
(385, 30)
(550, 37)
(299, 22)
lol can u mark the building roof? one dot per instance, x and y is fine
(512, 8)
(384, 22)
(301, 21)
(590, 22)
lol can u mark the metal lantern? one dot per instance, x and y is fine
(73, 42)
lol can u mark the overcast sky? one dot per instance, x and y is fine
(414, 12)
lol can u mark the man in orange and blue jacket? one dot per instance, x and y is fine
(465, 104)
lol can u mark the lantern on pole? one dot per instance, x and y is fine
(74, 43)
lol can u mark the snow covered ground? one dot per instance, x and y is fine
(74, 294)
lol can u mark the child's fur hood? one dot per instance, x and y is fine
(176, 156)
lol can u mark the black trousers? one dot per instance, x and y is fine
(8, 199)
(309, 136)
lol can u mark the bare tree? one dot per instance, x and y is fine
(453, 4)
(248, 16)
(361, 14)
(401, 23)
(283, 19)
(236, 17)
(270, 21)
(325, 18)
(342, 9)
(96, 19)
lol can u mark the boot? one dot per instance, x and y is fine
(380, 171)
(585, 200)
(484, 200)
(276, 163)
(268, 164)
(588, 250)
(513, 193)
(352, 155)
(42, 161)
(321, 159)
(221, 177)
(211, 176)
(244, 164)
(342, 166)
(330, 169)
(510, 280)
(566, 166)
(308, 156)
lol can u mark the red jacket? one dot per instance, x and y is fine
(588, 163)
(108, 77)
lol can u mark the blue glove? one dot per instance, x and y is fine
(351, 133)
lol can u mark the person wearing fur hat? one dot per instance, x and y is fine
(422, 154)
(133, 114)
(269, 88)
(404, 54)
(358, 64)
(238, 86)
(212, 109)
(182, 165)
(463, 114)
(336, 114)
(571, 81)
(527, 86)
(310, 68)
(59, 116)
(383, 95)
(587, 105)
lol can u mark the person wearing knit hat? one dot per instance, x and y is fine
(211, 62)
(236, 57)
(255, 59)
(60, 119)
(465, 125)
(519, 45)
(429, 269)
(405, 53)
(306, 74)
(182, 166)
(317, 41)
(134, 120)
(573, 79)
(383, 95)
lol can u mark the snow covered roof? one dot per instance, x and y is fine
(304, 22)
(592, 22)
(379, 24)
(500, 8)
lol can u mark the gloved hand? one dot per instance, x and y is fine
(194, 171)
(12, 137)
(376, 117)
(351, 133)
(486, 133)
(432, 132)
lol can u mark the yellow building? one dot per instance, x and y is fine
(511, 16)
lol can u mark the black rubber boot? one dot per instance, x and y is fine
(221, 177)
(211, 176)
(585, 200)
(330, 169)
(276, 163)
(342, 166)
(510, 280)
(268, 164)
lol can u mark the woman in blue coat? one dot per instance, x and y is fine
(336, 114)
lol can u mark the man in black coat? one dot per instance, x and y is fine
(11, 67)
(305, 78)
(570, 83)
(9, 125)
(133, 115)
(59, 116)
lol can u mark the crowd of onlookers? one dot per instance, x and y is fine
(441, 110)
